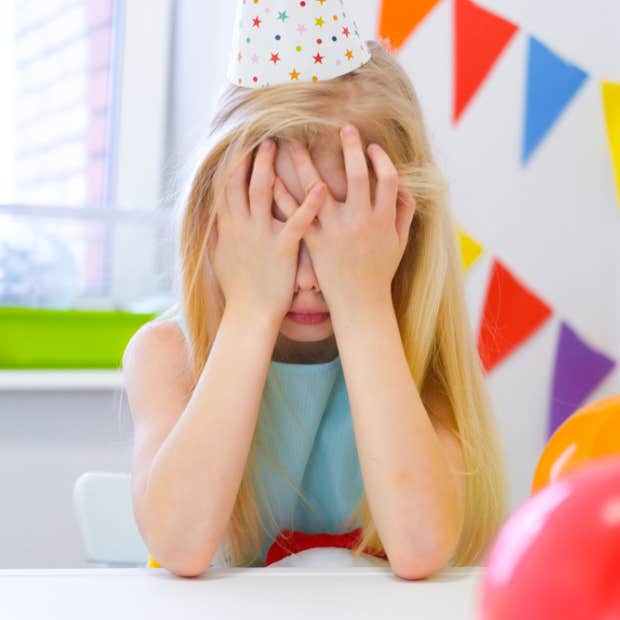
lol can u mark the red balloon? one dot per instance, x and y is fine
(558, 554)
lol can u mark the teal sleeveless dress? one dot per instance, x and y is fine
(305, 422)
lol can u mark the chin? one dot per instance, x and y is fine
(306, 333)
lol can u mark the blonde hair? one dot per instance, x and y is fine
(427, 290)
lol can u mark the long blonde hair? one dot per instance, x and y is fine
(427, 290)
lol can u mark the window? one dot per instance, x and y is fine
(87, 81)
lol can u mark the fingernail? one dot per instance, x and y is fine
(319, 188)
(296, 148)
(348, 131)
(266, 145)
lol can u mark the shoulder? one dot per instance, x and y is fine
(158, 347)
(156, 337)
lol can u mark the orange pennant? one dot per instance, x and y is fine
(479, 38)
(399, 18)
(511, 315)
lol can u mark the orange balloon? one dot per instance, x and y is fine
(590, 433)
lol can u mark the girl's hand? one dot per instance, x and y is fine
(356, 246)
(256, 261)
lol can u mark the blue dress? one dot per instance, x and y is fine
(312, 437)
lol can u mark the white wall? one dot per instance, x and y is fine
(48, 438)
(555, 223)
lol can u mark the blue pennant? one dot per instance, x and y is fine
(551, 84)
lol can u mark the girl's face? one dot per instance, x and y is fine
(307, 295)
(328, 160)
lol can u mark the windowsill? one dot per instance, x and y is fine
(70, 379)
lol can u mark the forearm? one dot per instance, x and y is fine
(195, 476)
(405, 471)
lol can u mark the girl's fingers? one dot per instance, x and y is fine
(386, 191)
(302, 218)
(304, 166)
(358, 184)
(261, 183)
(236, 188)
(405, 211)
(286, 203)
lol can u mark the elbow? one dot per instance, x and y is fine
(414, 572)
(188, 570)
(184, 565)
(184, 558)
(415, 568)
(420, 565)
(179, 559)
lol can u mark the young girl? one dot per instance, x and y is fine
(318, 373)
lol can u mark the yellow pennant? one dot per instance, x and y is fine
(611, 105)
(470, 249)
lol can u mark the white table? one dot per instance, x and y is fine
(253, 593)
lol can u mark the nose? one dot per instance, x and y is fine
(306, 278)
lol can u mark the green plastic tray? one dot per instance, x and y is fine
(47, 338)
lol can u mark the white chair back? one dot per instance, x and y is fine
(104, 511)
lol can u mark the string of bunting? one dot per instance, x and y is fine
(479, 39)
(512, 312)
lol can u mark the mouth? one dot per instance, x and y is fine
(308, 317)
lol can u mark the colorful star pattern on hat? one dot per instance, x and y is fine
(282, 41)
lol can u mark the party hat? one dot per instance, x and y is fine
(284, 41)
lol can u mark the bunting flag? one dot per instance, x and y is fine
(578, 370)
(479, 38)
(470, 249)
(399, 18)
(611, 107)
(511, 314)
(551, 84)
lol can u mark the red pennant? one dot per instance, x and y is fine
(289, 542)
(479, 38)
(399, 18)
(511, 314)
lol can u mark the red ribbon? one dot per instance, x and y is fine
(289, 542)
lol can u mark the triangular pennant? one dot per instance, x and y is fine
(511, 314)
(611, 106)
(399, 18)
(479, 38)
(470, 249)
(551, 84)
(578, 371)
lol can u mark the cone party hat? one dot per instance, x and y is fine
(284, 41)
